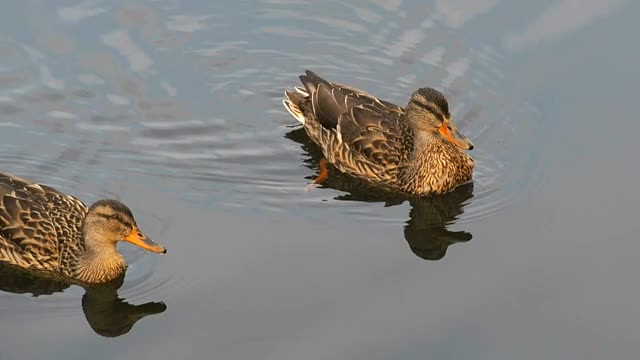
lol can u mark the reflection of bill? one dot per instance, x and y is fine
(426, 230)
(107, 314)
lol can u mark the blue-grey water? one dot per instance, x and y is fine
(175, 108)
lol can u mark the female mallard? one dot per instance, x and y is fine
(44, 230)
(415, 150)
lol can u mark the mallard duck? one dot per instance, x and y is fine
(414, 150)
(44, 230)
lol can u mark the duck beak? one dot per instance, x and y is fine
(137, 237)
(454, 136)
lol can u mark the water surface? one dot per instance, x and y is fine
(174, 108)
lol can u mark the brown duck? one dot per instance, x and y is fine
(414, 150)
(49, 232)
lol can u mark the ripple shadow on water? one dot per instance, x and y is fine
(426, 230)
(107, 314)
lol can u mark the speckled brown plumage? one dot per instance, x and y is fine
(46, 231)
(413, 150)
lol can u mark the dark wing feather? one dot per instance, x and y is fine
(330, 100)
(326, 107)
(311, 81)
(373, 135)
(367, 125)
(358, 97)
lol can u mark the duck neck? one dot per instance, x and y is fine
(434, 161)
(425, 150)
(100, 262)
(426, 143)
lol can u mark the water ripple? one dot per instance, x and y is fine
(158, 100)
(243, 150)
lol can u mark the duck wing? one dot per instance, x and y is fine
(330, 100)
(367, 125)
(29, 234)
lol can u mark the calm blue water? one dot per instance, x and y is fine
(175, 109)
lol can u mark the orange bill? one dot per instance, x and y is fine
(137, 237)
(451, 133)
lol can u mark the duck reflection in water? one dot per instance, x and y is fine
(107, 314)
(426, 230)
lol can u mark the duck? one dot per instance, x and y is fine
(416, 150)
(53, 234)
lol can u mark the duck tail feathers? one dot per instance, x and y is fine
(291, 104)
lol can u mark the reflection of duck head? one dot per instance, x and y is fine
(426, 230)
(110, 316)
(106, 313)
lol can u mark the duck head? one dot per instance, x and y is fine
(428, 111)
